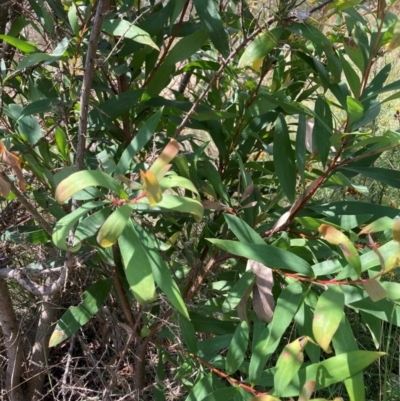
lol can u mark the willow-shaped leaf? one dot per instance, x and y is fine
(237, 348)
(260, 46)
(137, 265)
(210, 17)
(288, 364)
(114, 225)
(284, 162)
(63, 226)
(336, 237)
(77, 316)
(84, 179)
(322, 130)
(327, 316)
(286, 307)
(161, 272)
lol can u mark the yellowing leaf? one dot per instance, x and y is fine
(262, 45)
(307, 390)
(380, 224)
(257, 64)
(151, 187)
(168, 153)
(56, 337)
(14, 162)
(288, 364)
(395, 42)
(336, 237)
(392, 262)
(396, 230)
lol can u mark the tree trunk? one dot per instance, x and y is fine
(12, 342)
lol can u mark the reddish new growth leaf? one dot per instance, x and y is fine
(14, 162)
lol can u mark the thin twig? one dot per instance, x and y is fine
(231, 380)
(166, 51)
(67, 365)
(40, 219)
(102, 8)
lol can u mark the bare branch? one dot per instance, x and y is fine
(35, 289)
(102, 8)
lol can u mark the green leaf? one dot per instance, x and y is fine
(355, 110)
(145, 133)
(313, 34)
(262, 45)
(188, 334)
(242, 230)
(114, 225)
(354, 208)
(224, 394)
(29, 61)
(137, 265)
(344, 341)
(322, 130)
(173, 181)
(77, 316)
(20, 44)
(211, 19)
(288, 364)
(237, 348)
(352, 77)
(354, 52)
(40, 106)
(84, 179)
(215, 180)
(181, 51)
(270, 256)
(125, 29)
(73, 18)
(301, 146)
(204, 386)
(286, 307)
(332, 370)
(61, 48)
(161, 272)
(327, 316)
(376, 83)
(382, 224)
(374, 326)
(237, 292)
(182, 204)
(89, 226)
(371, 112)
(284, 162)
(28, 127)
(63, 226)
(368, 260)
(62, 143)
(114, 107)
(387, 176)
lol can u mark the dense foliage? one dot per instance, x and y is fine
(198, 200)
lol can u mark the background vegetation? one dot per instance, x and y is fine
(199, 200)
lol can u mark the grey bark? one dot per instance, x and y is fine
(13, 345)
